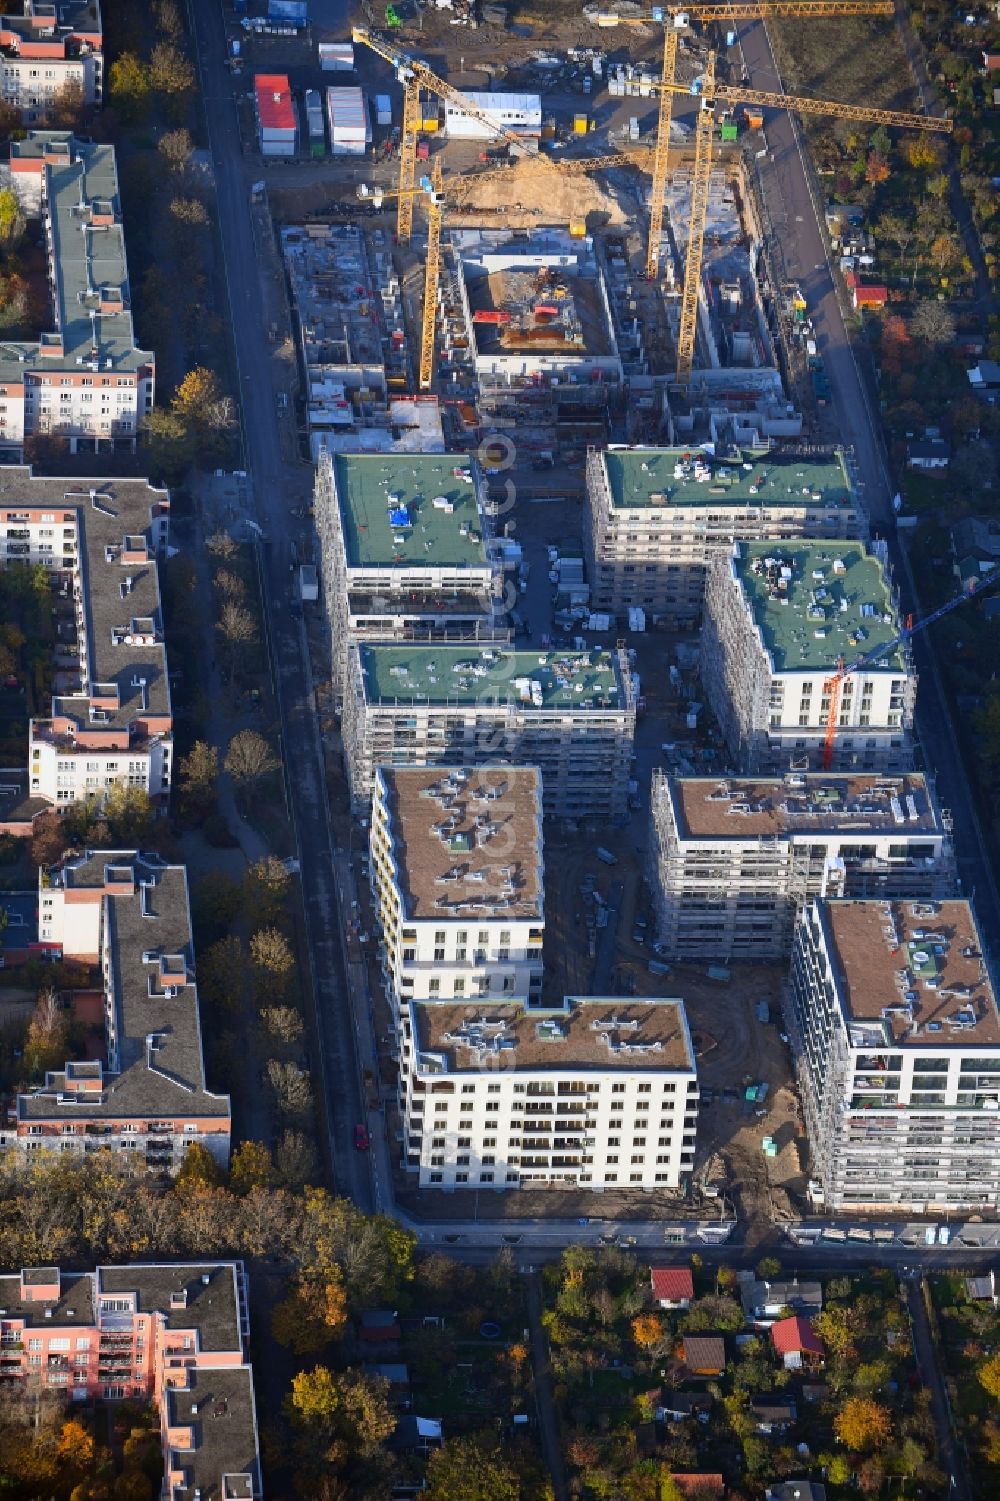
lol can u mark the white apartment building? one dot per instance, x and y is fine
(596, 1092)
(86, 381)
(405, 550)
(656, 516)
(570, 713)
(780, 618)
(457, 881)
(893, 1017)
(126, 915)
(733, 860)
(110, 719)
(47, 47)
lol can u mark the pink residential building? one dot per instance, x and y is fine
(172, 1334)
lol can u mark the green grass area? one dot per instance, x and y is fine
(853, 60)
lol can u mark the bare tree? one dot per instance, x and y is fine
(221, 545)
(293, 1093)
(249, 758)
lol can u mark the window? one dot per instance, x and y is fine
(644, 1088)
(486, 1177)
(436, 1177)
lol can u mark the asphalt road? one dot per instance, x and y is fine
(275, 490)
(786, 187)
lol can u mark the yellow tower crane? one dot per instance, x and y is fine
(674, 19)
(414, 75)
(712, 93)
(433, 189)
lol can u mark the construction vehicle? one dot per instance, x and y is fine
(833, 687)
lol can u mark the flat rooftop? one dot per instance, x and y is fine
(112, 517)
(647, 477)
(491, 675)
(912, 973)
(416, 511)
(603, 1033)
(74, 1305)
(148, 925)
(815, 603)
(217, 1404)
(188, 1295)
(467, 842)
(88, 260)
(810, 803)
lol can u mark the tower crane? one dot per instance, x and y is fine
(674, 19)
(834, 685)
(437, 195)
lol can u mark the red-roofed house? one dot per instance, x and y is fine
(797, 1343)
(672, 1286)
(863, 295)
(699, 1485)
(276, 121)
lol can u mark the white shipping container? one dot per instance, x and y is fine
(336, 57)
(350, 127)
(521, 113)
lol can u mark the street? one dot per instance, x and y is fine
(275, 490)
(795, 215)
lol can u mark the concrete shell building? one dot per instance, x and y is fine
(733, 860)
(780, 619)
(893, 1017)
(657, 516)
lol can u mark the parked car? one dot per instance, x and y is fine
(362, 1140)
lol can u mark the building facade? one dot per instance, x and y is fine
(893, 1018)
(111, 720)
(126, 916)
(657, 516)
(457, 882)
(86, 382)
(570, 713)
(595, 1092)
(780, 620)
(733, 860)
(405, 544)
(48, 52)
(176, 1335)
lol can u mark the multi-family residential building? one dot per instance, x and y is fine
(47, 51)
(457, 881)
(734, 859)
(780, 619)
(893, 1017)
(405, 550)
(570, 713)
(656, 516)
(176, 1335)
(126, 915)
(594, 1091)
(86, 382)
(110, 719)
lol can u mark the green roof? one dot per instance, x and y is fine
(448, 534)
(816, 603)
(640, 477)
(438, 674)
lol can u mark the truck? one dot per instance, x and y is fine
(605, 856)
(820, 383)
(308, 582)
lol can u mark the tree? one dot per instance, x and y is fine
(200, 400)
(863, 1424)
(76, 1447)
(647, 1331)
(129, 815)
(65, 110)
(876, 169)
(945, 251)
(188, 212)
(471, 1469)
(167, 16)
(922, 152)
(988, 1376)
(295, 1325)
(12, 219)
(837, 1328)
(271, 955)
(292, 1087)
(171, 73)
(250, 1167)
(49, 839)
(934, 323)
(283, 1023)
(171, 444)
(265, 891)
(176, 148)
(198, 772)
(768, 1267)
(198, 1169)
(216, 902)
(237, 625)
(221, 545)
(295, 1160)
(230, 585)
(249, 758)
(221, 972)
(130, 83)
(47, 1039)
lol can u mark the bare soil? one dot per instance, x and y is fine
(854, 60)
